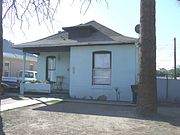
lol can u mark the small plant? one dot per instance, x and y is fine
(37, 81)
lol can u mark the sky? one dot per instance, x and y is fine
(119, 15)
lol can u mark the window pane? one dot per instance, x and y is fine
(27, 75)
(102, 81)
(51, 63)
(102, 73)
(30, 75)
(51, 75)
(101, 76)
(6, 74)
(31, 66)
(102, 60)
(20, 74)
(51, 68)
(6, 66)
(36, 75)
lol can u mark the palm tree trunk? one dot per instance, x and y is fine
(147, 91)
(1, 46)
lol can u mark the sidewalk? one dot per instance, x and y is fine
(16, 101)
(12, 101)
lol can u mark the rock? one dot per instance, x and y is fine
(102, 98)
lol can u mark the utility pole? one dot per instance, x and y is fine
(174, 58)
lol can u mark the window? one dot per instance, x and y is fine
(36, 75)
(31, 67)
(26, 74)
(101, 68)
(50, 68)
(6, 73)
(6, 68)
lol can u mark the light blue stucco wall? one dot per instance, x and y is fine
(62, 66)
(124, 72)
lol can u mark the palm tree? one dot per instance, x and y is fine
(147, 91)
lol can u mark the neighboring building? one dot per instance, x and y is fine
(13, 60)
(94, 61)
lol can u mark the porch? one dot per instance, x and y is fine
(52, 71)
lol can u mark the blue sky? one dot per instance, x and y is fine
(120, 15)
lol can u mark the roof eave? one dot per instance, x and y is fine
(73, 45)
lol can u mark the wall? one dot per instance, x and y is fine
(62, 66)
(168, 90)
(17, 64)
(124, 72)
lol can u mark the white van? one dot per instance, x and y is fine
(29, 75)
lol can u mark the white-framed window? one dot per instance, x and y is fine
(6, 68)
(101, 74)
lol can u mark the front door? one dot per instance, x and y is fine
(51, 68)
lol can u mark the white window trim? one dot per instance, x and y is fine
(4, 70)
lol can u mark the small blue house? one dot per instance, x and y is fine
(94, 61)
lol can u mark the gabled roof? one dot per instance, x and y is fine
(91, 33)
(8, 51)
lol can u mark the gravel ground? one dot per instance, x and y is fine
(69, 118)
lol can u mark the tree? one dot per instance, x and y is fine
(161, 73)
(147, 91)
(1, 46)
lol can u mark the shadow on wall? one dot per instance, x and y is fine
(165, 114)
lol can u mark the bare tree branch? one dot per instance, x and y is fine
(21, 10)
(43, 10)
(9, 8)
(89, 3)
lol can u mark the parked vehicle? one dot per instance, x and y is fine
(29, 76)
(10, 83)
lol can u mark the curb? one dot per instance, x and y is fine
(100, 102)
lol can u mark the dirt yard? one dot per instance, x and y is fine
(69, 118)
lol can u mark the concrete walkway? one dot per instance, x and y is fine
(7, 104)
(12, 101)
